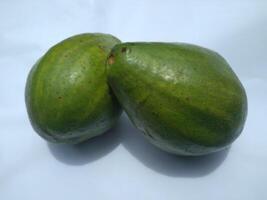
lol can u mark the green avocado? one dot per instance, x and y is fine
(185, 99)
(67, 96)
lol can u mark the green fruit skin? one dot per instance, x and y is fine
(67, 96)
(185, 99)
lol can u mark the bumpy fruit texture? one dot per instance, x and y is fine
(67, 96)
(185, 99)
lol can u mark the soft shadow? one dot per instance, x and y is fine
(165, 163)
(89, 151)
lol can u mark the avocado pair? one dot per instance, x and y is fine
(185, 99)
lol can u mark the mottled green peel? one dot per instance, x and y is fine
(184, 98)
(67, 96)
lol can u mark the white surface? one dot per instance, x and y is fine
(121, 164)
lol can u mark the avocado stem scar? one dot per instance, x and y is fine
(111, 59)
(124, 49)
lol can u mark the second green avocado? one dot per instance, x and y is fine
(67, 96)
(184, 98)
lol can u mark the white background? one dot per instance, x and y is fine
(121, 164)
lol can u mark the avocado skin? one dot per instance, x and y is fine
(67, 96)
(185, 99)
